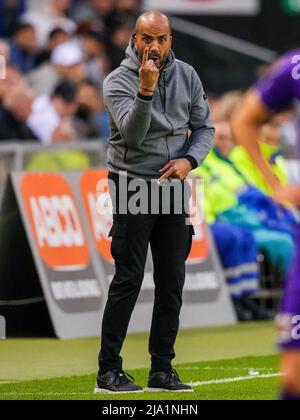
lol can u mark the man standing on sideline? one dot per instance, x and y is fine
(153, 101)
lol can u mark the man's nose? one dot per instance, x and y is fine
(154, 47)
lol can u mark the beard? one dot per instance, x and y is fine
(158, 59)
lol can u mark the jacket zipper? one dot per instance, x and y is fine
(163, 100)
(125, 154)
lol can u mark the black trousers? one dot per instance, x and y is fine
(170, 238)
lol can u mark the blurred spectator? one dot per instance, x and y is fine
(119, 41)
(236, 246)
(270, 146)
(51, 117)
(223, 107)
(67, 63)
(91, 111)
(272, 135)
(100, 13)
(15, 107)
(96, 60)
(229, 198)
(244, 222)
(23, 48)
(238, 253)
(10, 11)
(288, 137)
(13, 79)
(57, 37)
(52, 15)
(128, 7)
(5, 50)
(127, 11)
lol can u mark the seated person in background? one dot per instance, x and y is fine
(128, 9)
(51, 116)
(56, 37)
(99, 13)
(23, 48)
(45, 16)
(96, 59)
(225, 104)
(238, 254)
(270, 146)
(15, 107)
(118, 42)
(5, 50)
(229, 199)
(67, 63)
(91, 112)
(10, 12)
(236, 247)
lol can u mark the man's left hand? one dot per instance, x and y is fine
(179, 169)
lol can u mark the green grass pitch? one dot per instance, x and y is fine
(228, 363)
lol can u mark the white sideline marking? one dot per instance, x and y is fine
(47, 394)
(193, 384)
(227, 368)
(237, 379)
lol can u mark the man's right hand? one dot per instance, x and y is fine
(149, 75)
(288, 194)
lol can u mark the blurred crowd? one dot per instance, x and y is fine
(58, 53)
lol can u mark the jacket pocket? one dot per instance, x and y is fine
(190, 234)
(118, 248)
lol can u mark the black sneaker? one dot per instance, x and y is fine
(116, 382)
(166, 382)
(258, 314)
(243, 314)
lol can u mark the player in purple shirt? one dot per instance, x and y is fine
(278, 90)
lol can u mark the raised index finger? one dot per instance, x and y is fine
(145, 56)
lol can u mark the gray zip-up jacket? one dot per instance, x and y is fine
(147, 133)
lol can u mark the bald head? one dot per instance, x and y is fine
(153, 31)
(153, 18)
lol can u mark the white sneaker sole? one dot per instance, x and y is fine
(107, 391)
(167, 390)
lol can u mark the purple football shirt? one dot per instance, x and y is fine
(279, 89)
(281, 86)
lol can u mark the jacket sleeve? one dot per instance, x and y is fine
(200, 124)
(131, 112)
